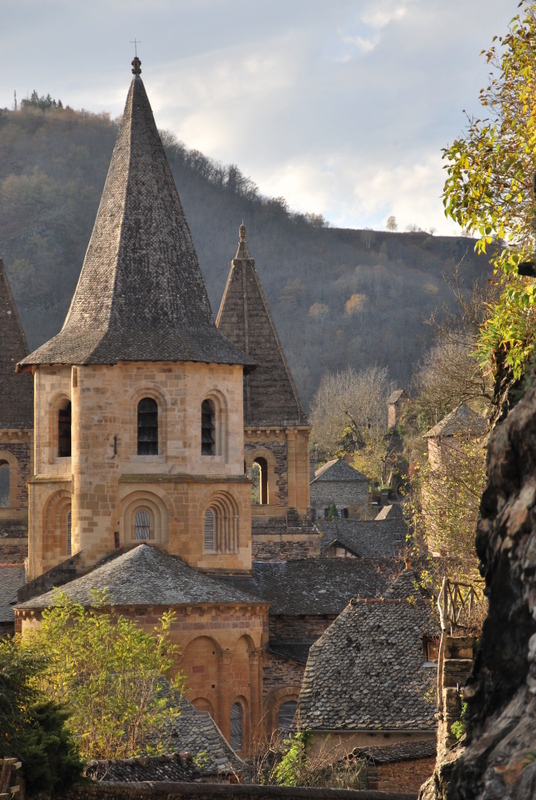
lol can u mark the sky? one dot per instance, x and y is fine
(341, 107)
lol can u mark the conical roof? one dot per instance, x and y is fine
(270, 396)
(141, 294)
(16, 391)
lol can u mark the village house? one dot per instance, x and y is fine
(337, 483)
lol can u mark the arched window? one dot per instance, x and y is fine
(69, 535)
(147, 427)
(209, 539)
(208, 427)
(4, 486)
(237, 726)
(64, 430)
(262, 466)
(286, 715)
(142, 524)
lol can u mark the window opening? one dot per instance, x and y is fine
(147, 427)
(142, 529)
(209, 542)
(263, 480)
(208, 415)
(64, 431)
(4, 486)
(69, 537)
(286, 715)
(236, 726)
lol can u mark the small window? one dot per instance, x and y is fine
(69, 536)
(64, 431)
(209, 543)
(237, 726)
(430, 649)
(286, 715)
(4, 486)
(262, 465)
(147, 427)
(208, 427)
(142, 525)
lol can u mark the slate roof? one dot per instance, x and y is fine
(11, 579)
(297, 651)
(16, 391)
(405, 751)
(366, 538)
(395, 396)
(338, 470)
(366, 670)
(141, 294)
(196, 732)
(390, 512)
(270, 395)
(172, 767)
(146, 575)
(461, 420)
(404, 586)
(314, 585)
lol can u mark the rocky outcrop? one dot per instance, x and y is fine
(500, 758)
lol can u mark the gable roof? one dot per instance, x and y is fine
(314, 585)
(366, 538)
(338, 470)
(141, 294)
(366, 670)
(11, 579)
(461, 420)
(395, 396)
(270, 395)
(145, 575)
(16, 391)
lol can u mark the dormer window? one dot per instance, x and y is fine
(147, 427)
(208, 428)
(64, 430)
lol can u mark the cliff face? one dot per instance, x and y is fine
(500, 760)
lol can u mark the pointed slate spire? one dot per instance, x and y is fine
(16, 391)
(270, 396)
(141, 294)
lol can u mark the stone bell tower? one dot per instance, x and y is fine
(139, 431)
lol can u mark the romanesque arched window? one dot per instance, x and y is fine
(262, 477)
(64, 430)
(5, 488)
(208, 428)
(209, 529)
(237, 726)
(142, 524)
(286, 715)
(69, 534)
(147, 427)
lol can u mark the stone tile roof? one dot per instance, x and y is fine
(461, 420)
(404, 587)
(141, 294)
(338, 470)
(13, 529)
(390, 512)
(11, 579)
(146, 575)
(366, 671)
(297, 651)
(172, 767)
(405, 751)
(367, 538)
(314, 585)
(195, 732)
(395, 396)
(270, 395)
(16, 391)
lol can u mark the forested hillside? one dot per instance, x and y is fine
(339, 297)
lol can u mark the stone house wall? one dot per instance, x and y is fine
(342, 493)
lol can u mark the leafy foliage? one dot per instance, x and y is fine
(489, 189)
(109, 673)
(32, 728)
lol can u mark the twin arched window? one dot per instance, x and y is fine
(148, 427)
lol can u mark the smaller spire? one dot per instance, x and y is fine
(242, 251)
(136, 66)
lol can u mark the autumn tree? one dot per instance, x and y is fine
(489, 191)
(109, 673)
(349, 418)
(391, 223)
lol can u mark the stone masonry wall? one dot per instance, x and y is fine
(342, 493)
(299, 628)
(279, 672)
(400, 776)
